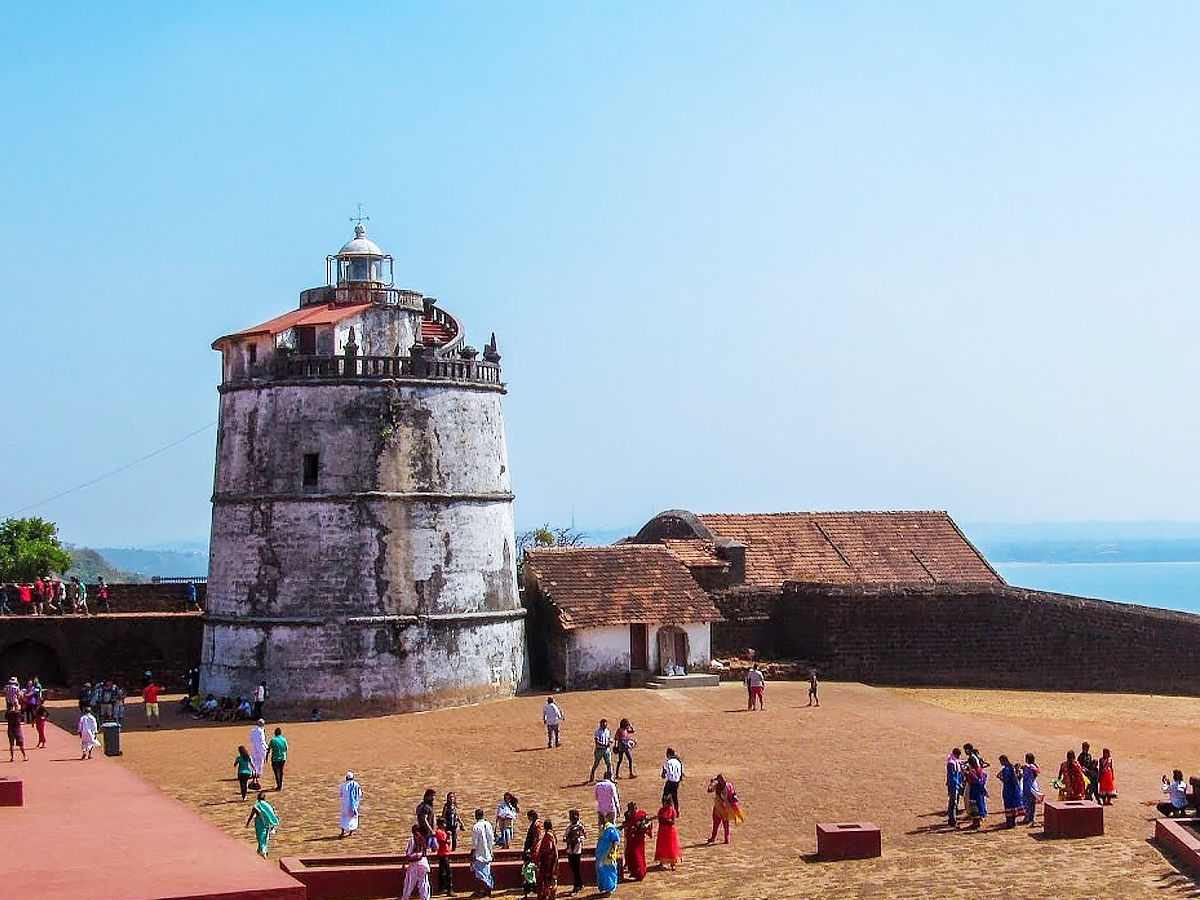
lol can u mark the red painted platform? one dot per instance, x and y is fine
(1073, 818)
(1180, 840)
(156, 848)
(848, 840)
(369, 877)
(12, 791)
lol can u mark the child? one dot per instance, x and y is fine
(40, 715)
(529, 874)
(575, 835)
(442, 837)
(1107, 788)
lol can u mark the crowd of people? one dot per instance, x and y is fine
(50, 595)
(622, 833)
(1080, 776)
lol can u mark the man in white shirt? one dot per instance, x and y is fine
(553, 716)
(483, 838)
(754, 686)
(672, 774)
(608, 802)
(602, 753)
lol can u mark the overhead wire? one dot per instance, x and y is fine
(116, 471)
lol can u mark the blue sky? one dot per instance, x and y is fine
(740, 256)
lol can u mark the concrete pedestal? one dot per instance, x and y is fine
(848, 840)
(1073, 818)
(12, 792)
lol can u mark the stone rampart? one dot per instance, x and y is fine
(985, 636)
(65, 651)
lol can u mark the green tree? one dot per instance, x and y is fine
(29, 549)
(546, 536)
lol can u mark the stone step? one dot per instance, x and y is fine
(664, 682)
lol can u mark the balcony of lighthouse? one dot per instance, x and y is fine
(421, 362)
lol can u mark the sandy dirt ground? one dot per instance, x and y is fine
(866, 754)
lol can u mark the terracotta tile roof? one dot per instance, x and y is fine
(695, 554)
(617, 585)
(853, 547)
(318, 314)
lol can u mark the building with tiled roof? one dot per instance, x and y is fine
(606, 616)
(765, 550)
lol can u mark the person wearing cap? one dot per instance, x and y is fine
(351, 794)
(12, 693)
(258, 746)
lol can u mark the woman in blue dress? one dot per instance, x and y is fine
(608, 854)
(1011, 793)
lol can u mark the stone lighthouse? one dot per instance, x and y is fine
(363, 552)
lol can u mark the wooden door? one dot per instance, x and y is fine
(681, 648)
(666, 650)
(639, 649)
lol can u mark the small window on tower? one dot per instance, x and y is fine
(253, 351)
(312, 463)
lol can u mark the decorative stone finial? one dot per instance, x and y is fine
(491, 353)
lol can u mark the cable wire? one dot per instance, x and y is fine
(116, 471)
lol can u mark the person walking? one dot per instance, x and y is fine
(278, 748)
(262, 814)
(574, 837)
(552, 717)
(86, 730)
(258, 747)
(625, 743)
(755, 683)
(813, 699)
(672, 774)
(426, 819)
(726, 808)
(350, 794)
(40, 715)
(260, 699)
(244, 767)
(602, 751)
(150, 700)
(103, 595)
(16, 740)
(608, 802)
(483, 838)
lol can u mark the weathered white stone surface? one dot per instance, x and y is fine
(390, 583)
(601, 656)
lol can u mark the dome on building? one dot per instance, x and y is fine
(361, 245)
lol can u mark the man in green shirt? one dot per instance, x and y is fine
(278, 746)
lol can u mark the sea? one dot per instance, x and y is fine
(1169, 585)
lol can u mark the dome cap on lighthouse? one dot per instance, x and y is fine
(360, 245)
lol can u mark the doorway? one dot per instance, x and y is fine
(639, 648)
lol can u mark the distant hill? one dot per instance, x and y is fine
(159, 562)
(88, 564)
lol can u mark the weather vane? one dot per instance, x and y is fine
(360, 218)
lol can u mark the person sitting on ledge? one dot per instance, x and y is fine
(1176, 791)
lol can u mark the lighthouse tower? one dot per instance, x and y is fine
(362, 554)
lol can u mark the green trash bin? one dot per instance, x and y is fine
(112, 738)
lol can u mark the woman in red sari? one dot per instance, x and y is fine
(1070, 775)
(637, 827)
(545, 857)
(666, 850)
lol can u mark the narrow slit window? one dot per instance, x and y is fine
(312, 464)
(253, 354)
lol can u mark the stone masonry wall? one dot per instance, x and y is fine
(988, 637)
